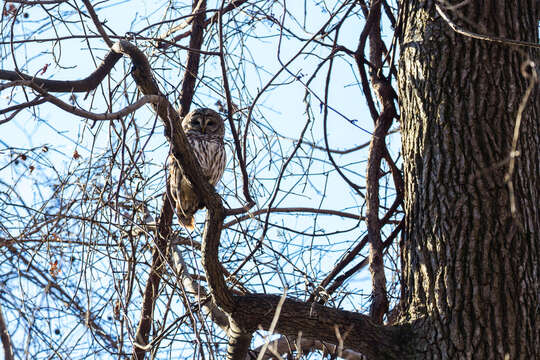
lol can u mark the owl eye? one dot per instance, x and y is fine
(211, 123)
(194, 122)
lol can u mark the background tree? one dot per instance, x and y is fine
(94, 263)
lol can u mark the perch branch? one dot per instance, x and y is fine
(181, 150)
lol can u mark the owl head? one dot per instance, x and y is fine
(204, 121)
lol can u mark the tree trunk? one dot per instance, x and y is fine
(470, 285)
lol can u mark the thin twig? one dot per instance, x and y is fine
(491, 38)
(252, 214)
(514, 153)
(273, 324)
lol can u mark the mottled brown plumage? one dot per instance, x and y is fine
(204, 129)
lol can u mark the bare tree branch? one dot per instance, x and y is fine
(315, 321)
(96, 21)
(6, 339)
(66, 86)
(193, 58)
(382, 88)
(159, 254)
(85, 315)
(245, 185)
(252, 214)
(214, 19)
(351, 255)
(44, 96)
(38, 2)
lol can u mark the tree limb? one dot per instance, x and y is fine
(314, 321)
(87, 84)
(350, 256)
(193, 57)
(97, 23)
(294, 210)
(78, 111)
(6, 340)
(379, 305)
(182, 151)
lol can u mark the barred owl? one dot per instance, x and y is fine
(204, 129)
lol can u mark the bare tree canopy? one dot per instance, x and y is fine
(379, 200)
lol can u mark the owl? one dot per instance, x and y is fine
(204, 129)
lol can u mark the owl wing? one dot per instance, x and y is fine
(185, 199)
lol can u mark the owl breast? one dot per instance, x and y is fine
(210, 153)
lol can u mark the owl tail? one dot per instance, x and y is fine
(187, 221)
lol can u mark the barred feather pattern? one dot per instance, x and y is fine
(204, 129)
(210, 153)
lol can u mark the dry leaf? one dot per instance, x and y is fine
(44, 69)
(116, 309)
(54, 270)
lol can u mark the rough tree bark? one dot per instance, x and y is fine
(470, 265)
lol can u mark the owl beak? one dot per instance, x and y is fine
(203, 125)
